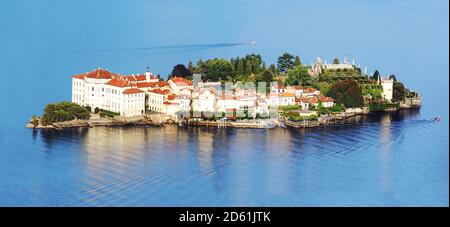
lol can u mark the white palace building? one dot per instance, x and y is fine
(126, 95)
(113, 92)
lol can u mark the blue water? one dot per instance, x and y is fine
(382, 160)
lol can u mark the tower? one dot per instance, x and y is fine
(148, 74)
(388, 88)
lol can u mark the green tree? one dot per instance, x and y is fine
(392, 77)
(298, 75)
(399, 92)
(376, 75)
(267, 76)
(285, 62)
(190, 67)
(248, 68)
(297, 61)
(216, 69)
(348, 93)
(240, 67)
(63, 111)
(34, 121)
(273, 69)
(336, 61)
(252, 78)
(263, 67)
(323, 87)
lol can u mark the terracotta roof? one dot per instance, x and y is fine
(100, 74)
(310, 90)
(119, 82)
(171, 97)
(140, 77)
(170, 103)
(162, 83)
(313, 100)
(322, 98)
(159, 91)
(299, 87)
(132, 91)
(180, 81)
(280, 86)
(301, 99)
(145, 84)
(97, 74)
(287, 94)
(80, 76)
(227, 97)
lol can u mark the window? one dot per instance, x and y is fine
(92, 88)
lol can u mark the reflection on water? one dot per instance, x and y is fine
(364, 161)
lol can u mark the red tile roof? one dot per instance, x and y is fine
(145, 84)
(140, 77)
(170, 103)
(159, 91)
(287, 94)
(313, 100)
(80, 76)
(180, 81)
(310, 90)
(162, 83)
(132, 91)
(299, 87)
(100, 74)
(119, 82)
(97, 74)
(322, 98)
(227, 97)
(301, 99)
(171, 97)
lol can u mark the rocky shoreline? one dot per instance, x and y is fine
(162, 119)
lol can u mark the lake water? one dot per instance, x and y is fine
(382, 160)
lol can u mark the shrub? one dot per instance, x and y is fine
(107, 113)
(381, 106)
(63, 111)
(96, 110)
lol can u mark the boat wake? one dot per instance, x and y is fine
(182, 47)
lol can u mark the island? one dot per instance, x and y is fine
(241, 92)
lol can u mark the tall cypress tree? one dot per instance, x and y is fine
(297, 61)
(240, 67)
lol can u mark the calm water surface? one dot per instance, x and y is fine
(381, 160)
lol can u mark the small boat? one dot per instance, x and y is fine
(437, 118)
(283, 125)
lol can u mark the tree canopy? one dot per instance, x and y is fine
(348, 93)
(376, 75)
(298, 75)
(285, 62)
(297, 61)
(399, 92)
(180, 70)
(63, 111)
(216, 69)
(336, 61)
